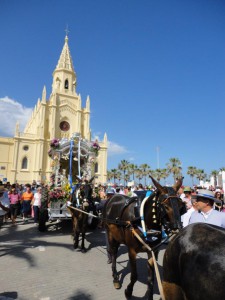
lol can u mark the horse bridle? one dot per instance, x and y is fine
(176, 212)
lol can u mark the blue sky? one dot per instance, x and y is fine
(154, 70)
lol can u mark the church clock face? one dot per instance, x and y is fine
(64, 126)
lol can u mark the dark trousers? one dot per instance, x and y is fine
(36, 213)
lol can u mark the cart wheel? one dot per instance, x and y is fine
(43, 218)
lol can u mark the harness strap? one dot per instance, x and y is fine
(154, 261)
(116, 222)
(127, 203)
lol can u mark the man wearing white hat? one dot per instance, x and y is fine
(205, 213)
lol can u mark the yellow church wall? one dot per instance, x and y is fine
(43, 125)
(6, 153)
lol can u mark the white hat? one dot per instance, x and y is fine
(208, 195)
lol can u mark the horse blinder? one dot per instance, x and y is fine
(173, 201)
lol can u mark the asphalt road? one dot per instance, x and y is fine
(44, 266)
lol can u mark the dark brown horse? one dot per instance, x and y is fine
(82, 204)
(80, 223)
(194, 264)
(161, 209)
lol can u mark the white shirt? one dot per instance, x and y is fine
(186, 217)
(206, 215)
(37, 199)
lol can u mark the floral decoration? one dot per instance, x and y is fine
(95, 147)
(54, 143)
(58, 193)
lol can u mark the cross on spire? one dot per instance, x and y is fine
(67, 30)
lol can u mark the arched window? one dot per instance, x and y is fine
(96, 168)
(66, 84)
(24, 163)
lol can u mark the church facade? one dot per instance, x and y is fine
(24, 157)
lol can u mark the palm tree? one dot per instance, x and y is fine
(114, 174)
(192, 172)
(145, 170)
(118, 176)
(123, 166)
(109, 175)
(132, 169)
(127, 178)
(139, 174)
(174, 167)
(165, 174)
(214, 174)
(160, 174)
(200, 174)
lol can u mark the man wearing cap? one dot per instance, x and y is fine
(205, 213)
(187, 197)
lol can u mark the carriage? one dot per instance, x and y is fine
(71, 159)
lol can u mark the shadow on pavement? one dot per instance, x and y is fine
(16, 239)
(80, 295)
(8, 295)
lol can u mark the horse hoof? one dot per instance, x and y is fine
(83, 250)
(75, 246)
(117, 285)
(128, 293)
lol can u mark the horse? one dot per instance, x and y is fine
(194, 264)
(162, 208)
(81, 199)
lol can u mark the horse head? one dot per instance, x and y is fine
(171, 206)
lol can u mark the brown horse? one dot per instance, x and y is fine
(81, 198)
(161, 209)
(80, 223)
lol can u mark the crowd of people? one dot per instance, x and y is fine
(203, 205)
(19, 200)
(25, 201)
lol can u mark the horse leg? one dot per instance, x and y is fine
(172, 291)
(76, 239)
(83, 249)
(151, 274)
(133, 275)
(84, 221)
(113, 246)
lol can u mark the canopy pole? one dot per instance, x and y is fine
(79, 157)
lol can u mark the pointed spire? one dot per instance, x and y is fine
(17, 129)
(65, 60)
(44, 95)
(105, 138)
(88, 103)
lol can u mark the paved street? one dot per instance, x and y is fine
(45, 266)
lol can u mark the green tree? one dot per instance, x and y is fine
(109, 175)
(192, 172)
(124, 166)
(160, 174)
(200, 174)
(118, 176)
(132, 168)
(145, 171)
(174, 167)
(114, 173)
(139, 174)
(127, 178)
